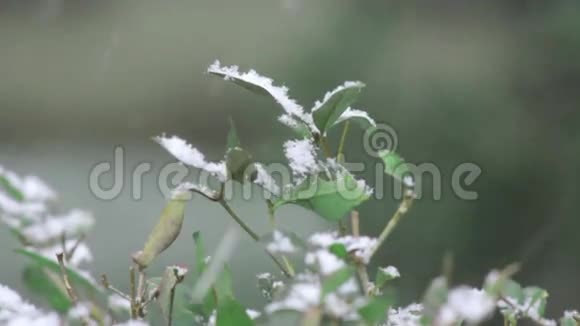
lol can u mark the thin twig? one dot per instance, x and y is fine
(133, 292)
(108, 286)
(355, 222)
(394, 221)
(214, 196)
(70, 253)
(339, 154)
(140, 286)
(171, 299)
(238, 220)
(253, 235)
(63, 271)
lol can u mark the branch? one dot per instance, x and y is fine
(394, 221)
(69, 289)
(253, 235)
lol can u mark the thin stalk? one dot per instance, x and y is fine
(253, 235)
(238, 220)
(394, 221)
(339, 154)
(324, 146)
(133, 292)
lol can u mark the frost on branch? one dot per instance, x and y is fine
(252, 80)
(191, 156)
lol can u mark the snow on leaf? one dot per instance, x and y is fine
(265, 180)
(301, 155)
(262, 85)
(191, 156)
(335, 103)
(360, 117)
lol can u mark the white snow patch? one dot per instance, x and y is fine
(81, 310)
(117, 302)
(301, 155)
(361, 246)
(351, 113)
(14, 311)
(279, 93)
(328, 95)
(390, 271)
(74, 223)
(301, 297)
(265, 180)
(324, 261)
(469, 304)
(280, 243)
(405, 316)
(82, 253)
(191, 156)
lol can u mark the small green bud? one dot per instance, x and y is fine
(166, 230)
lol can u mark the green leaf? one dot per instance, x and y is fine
(384, 275)
(10, 189)
(339, 250)
(512, 289)
(358, 117)
(396, 167)
(46, 283)
(331, 199)
(334, 104)
(375, 311)
(237, 162)
(231, 313)
(333, 281)
(75, 277)
(537, 298)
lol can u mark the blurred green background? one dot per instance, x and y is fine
(495, 83)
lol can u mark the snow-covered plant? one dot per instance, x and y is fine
(333, 286)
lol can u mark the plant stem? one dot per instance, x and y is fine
(133, 292)
(324, 146)
(339, 155)
(69, 289)
(394, 221)
(254, 236)
(238, 220)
